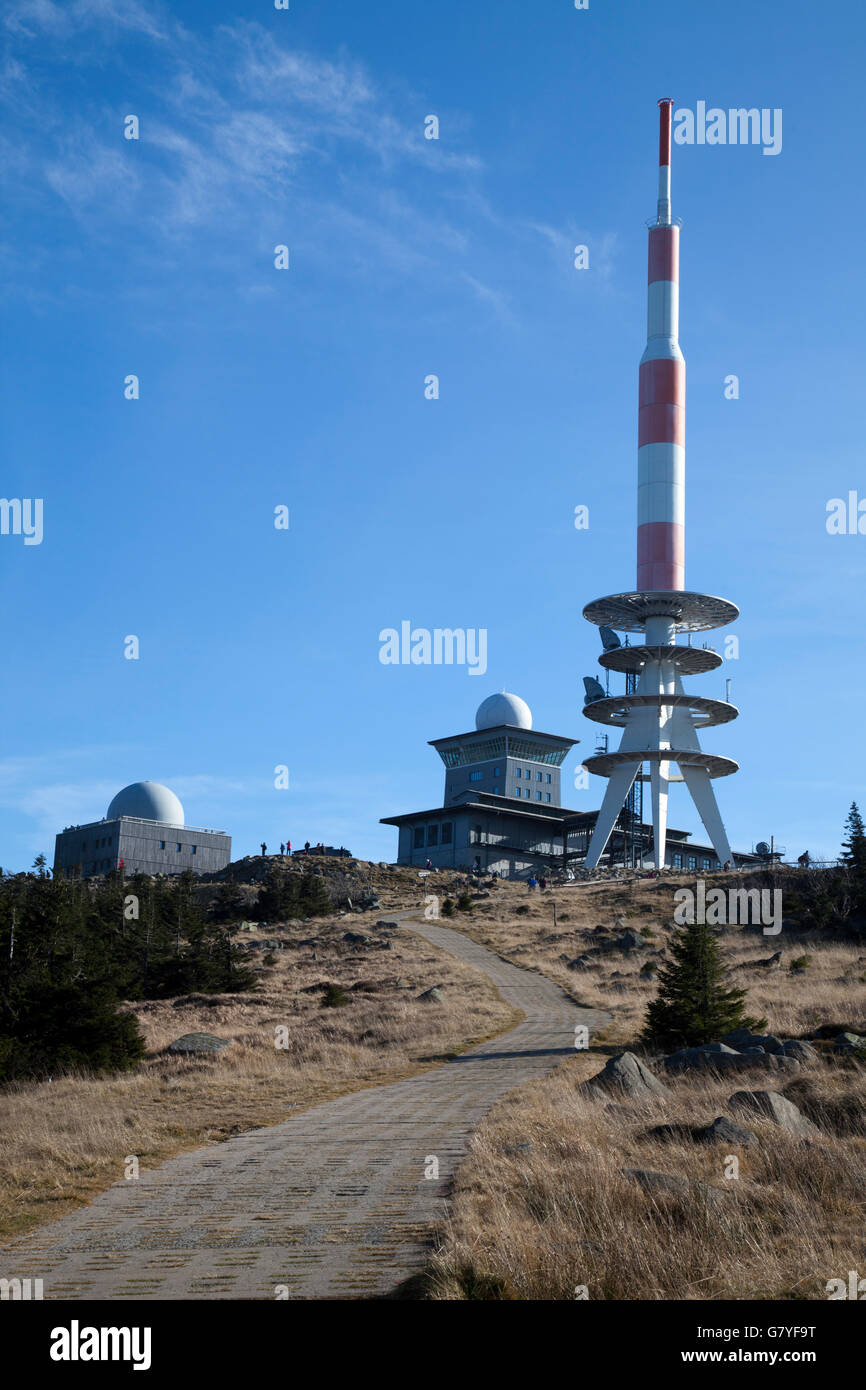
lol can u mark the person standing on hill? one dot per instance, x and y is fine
(264, 849)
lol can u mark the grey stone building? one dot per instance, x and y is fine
(502, 810)
(143, 831)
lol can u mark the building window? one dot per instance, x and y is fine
(547, 776)
(192, 849)
(177, 847)
(476, 777)
(547, 796)
(538, 776)
(693, 863)
(705, 863)
(678, 861)
(496, 772)
(447, 830)
(419, 837)
(527, 793)
(495, 791)
(432, 834)
(162, 844)
(517, 773)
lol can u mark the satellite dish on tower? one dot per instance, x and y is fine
(609, 639)
(762, 848)
(594, 690)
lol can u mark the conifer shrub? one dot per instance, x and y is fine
(693, 1005)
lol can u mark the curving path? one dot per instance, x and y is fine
(332, 1203)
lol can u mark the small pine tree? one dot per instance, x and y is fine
(315, 900)
(854, 844)
(334, 998)
(693, 1006)
(229, 902)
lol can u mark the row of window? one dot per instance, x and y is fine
(692, 862)
(108, 840)
(527, 773)
(438, 834)
(528, 793)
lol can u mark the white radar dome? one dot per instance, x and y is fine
(503, 709)
(149, 801)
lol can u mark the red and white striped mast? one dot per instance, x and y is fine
(659, 720)
(661, 515)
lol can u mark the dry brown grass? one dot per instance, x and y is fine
(538, 1223)
(66, 1140)
(832, 989)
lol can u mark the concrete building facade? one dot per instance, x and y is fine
(144, 831)
(502, 810)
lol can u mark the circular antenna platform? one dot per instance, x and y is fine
(603, 764)
(687, 611)
(704, 712)
(691, 661)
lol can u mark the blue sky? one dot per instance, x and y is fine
(305, 388)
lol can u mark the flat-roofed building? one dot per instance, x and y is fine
(143, 831)
(502, 809)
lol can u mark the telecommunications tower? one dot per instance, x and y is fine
(659, 720)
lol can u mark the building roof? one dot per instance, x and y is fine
(500, 741)
(101, 825)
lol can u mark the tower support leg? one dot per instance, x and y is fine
(697, 779)
(659, 782)
(618, 787)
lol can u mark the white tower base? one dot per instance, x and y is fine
(659, 720)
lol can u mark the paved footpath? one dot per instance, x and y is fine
(332, 1203)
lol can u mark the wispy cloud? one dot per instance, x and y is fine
(49, 18)
(49, 791)
(244, 142)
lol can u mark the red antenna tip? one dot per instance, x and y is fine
(665, 113)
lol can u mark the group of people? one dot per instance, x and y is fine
(286, 848)
(532, 883)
